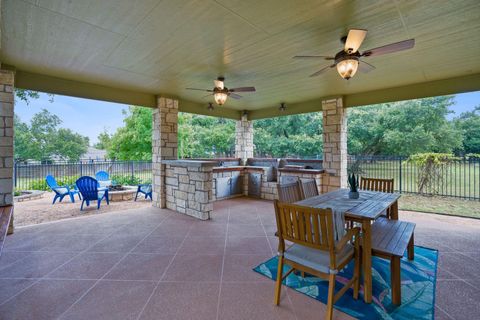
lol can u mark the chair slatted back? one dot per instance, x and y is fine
(309, 188)
(307, 226)
(51, 182)
(373, 184)
(88, 187)
(289, 192)
(102, 176)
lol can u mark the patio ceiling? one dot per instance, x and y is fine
(129, 51)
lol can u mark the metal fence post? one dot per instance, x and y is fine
(400, 174)
(15, 174)
(131, 167)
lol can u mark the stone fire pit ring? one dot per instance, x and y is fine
(128, 193)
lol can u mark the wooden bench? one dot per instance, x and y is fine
(5, 216)
(390, 239)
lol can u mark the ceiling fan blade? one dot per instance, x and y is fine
(234, 95)
(219, 84)
(208, 95)
(354, 40)
(365, 67)
(322, 71)
(314, 57)
(243, 89)
(390, 48)
(199, 89)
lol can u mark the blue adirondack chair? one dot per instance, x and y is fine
(103, 179)
(145, 189)
(61, 191)
(90, 191)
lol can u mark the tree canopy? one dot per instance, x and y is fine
(198, 136)
(42, 139)
(403, 128)
(297, 135)
(400, 128)
(469, 125)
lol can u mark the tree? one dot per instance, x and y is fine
(133, 141)
(469, 124)
(27, 95)
(297, 135)
(198, 136)
(403, 128)
(42, 139)
(104, 140)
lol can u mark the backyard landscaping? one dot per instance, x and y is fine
(41, 210)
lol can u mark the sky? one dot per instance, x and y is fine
(91, 117)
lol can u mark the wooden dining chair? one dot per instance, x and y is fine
(381, 185)
(309, 188)
(374, 184)
(314, 250)
(290, 192)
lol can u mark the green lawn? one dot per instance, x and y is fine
(443, 205)
(458, 179)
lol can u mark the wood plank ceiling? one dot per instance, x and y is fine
(162, 46)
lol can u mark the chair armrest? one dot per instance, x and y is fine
(353, 232)
(61, 187)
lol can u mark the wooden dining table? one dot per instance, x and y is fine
(364, 210)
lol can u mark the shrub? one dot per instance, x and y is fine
(129, 180)
(41, 184)
(430, 170)
(473, 156)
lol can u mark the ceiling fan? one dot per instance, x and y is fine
(221, 93)
(348, 60)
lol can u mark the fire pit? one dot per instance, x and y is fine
(121, 193)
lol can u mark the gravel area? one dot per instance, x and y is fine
(41, 210)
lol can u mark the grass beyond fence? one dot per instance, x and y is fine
(461, 178)
(32, 176)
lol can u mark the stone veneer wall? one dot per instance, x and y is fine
(164, 145)
(6, 140)
(189, 190)
(334, 145)
(244, 139)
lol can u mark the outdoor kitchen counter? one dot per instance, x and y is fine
(188, 186)
(238, 168)
(191, 163)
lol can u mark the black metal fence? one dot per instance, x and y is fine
(459, 178)
(28, 176)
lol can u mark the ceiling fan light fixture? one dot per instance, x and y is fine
(347, 68)
(220, 97)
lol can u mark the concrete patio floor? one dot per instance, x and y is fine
(156, 264)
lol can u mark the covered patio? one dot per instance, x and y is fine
(190, 256)
(156, 264)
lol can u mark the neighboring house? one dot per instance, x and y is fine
(94, 154)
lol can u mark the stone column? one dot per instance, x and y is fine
(244, 139)
(6, 140)
(334, 145)
(164, 145)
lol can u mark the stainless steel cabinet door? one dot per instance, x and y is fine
(254, 184)
(236, 185)
(223, 187)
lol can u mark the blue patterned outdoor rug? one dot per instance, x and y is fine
(418, 287)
